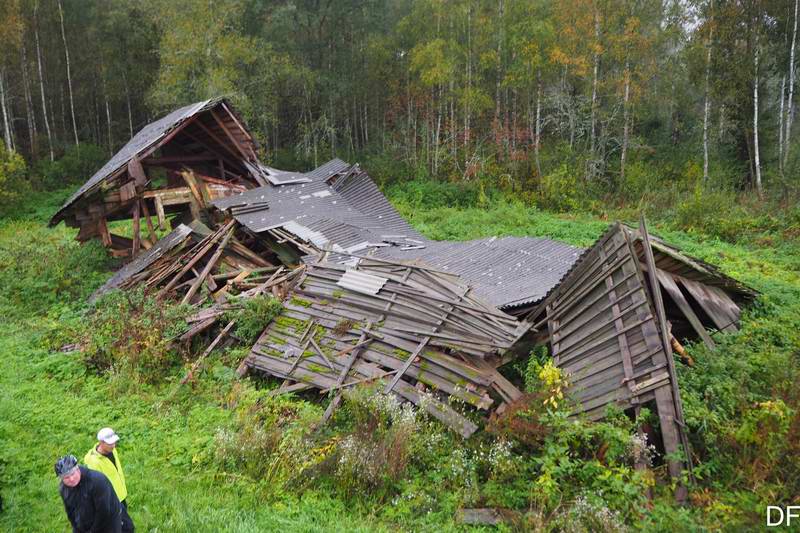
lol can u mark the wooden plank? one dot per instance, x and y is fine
(619, 325)
(207, 269)
(207, 351)
(136, 237)
(675, 293)
(676, 405)
(719, 315)
(670, 435)
(230, 136)
(406, 366)
(343, 374)
(136, 171)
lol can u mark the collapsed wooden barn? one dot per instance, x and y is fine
(366, 297)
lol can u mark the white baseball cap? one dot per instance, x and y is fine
(107, 435)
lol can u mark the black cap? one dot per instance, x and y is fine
(65, 464)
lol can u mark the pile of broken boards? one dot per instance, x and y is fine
(422, 331)
(416, 329)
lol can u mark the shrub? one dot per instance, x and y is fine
(561, 190)
(132, 332)
(77, 165)
(374, 454)
(254, 316)
(13, 174)
(269, 439)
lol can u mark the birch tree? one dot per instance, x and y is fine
(706, 89)
(69, 75)
(41, 79)
(787, 137)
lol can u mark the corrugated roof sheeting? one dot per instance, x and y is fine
(350, 211)
(361, 282)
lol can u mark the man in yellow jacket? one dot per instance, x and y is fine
(104, 458)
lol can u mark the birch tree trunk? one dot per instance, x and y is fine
(595, 68)
(69, 74)
(787, 138)
(108, 119)
(6, 126)
(707, 105)
(41, 79)
(756, 157)
(626, 121)
(538, 125)
(30, 114)
(780, 124)
(128, 100)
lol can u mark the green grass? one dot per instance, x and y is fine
(51, 404)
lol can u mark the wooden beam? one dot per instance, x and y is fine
(675, 293)
(150, 229)
(164, 160)
(231, 137)
(207, 351)
(207, 269)
(136, 171)
(211, 149)
(207, 130)
(671, 421)
(162, 219)
(236, 120)
(136, 237)
(197, 190)
(202, 251)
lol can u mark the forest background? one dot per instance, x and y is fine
(477, 118)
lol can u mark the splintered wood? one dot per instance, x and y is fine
(421, 328)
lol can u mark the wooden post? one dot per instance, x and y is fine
(207, 269)
(150, 229)
(136, 242)
(105, 236)
(668, 401)
(162, 218)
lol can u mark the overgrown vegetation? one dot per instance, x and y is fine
(224, 454)
(253, 316)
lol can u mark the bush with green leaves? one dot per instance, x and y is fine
(269, 439)
(13, 176)
(253, 315)
(133, 333)
(77, 165)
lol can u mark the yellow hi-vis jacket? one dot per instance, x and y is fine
(97, 461)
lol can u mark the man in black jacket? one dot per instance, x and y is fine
(90, 501)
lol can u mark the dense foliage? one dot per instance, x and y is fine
(542, 97)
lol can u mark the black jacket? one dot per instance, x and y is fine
(92, 505)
